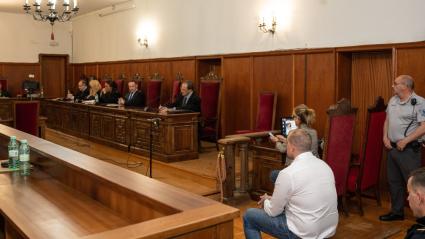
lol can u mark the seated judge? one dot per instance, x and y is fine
(94, 92)
(83, 91)
(109, 93)
(3, 92)
(134, 97)
(186, 100)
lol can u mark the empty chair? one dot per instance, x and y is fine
(3, 88)
(265, 113)
(25, 116)
(338, 143)
(210, 106)
(120, 86)
(364, 172)
(176, 87)
(153, 91)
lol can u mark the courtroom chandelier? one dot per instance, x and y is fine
(52, 15)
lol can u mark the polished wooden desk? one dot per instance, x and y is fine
(127, 128)
(72, 195)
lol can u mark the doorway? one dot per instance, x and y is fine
(53, 69)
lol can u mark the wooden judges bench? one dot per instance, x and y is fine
(72, 195)
(127, 128)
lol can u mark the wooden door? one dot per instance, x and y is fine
(53, 75)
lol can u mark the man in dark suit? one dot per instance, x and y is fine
(186, 100)
(83, 91)
(134, 97)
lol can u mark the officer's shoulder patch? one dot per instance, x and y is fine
(422, 112)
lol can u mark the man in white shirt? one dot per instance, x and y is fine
(304, 200)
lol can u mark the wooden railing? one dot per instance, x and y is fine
(229, 145)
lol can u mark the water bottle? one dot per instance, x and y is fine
(96, 98)
(13, 149)
(24, 158)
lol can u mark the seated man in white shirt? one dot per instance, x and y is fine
(304, 200)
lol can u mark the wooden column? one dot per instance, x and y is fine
(229, 144)
(243, 155)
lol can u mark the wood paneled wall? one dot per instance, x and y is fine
(316, 77)
(371, 76)
(167, 69)
(16, 73)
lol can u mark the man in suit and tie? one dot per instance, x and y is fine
(134, 97)
(186, 100)
(83, 91)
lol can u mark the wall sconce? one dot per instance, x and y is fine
(143, 43)
(264, 28)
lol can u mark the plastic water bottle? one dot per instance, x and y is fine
(96, 98)
(24, 158)
(13, 149)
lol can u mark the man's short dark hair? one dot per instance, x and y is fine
(111, 83)
(189, 84)
(300, 139)
(418, 178)
(84, 82)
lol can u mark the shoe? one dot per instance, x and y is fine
(391, 217)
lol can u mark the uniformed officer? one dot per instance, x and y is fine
(416, 189)
(404, 125)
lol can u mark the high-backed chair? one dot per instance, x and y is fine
(364, 172)
(120, 84)
(105, 78)
(25, 116)
(139, 81)
(153, 91)
(3, 83)
(265, 114)
(176, 87)
(210, 106)
(338, 143)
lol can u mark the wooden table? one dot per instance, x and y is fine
(72, 195)
(127, 128)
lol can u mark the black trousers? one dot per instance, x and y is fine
(399, 165)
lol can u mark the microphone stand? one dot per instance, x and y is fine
(154, 124)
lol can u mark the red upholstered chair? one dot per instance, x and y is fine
(105, 78)
(176, 87)
(25, 116)
(338, 143)
(120, 86)
(265, 114)
(364, 174)
(210, 106)
(153, 91)
(176, 90)
(3, 83)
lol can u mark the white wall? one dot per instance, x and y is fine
(202, 27)
(22, 39)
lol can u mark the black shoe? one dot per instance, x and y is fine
(391, 217)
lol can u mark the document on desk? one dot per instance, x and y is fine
(112, 105)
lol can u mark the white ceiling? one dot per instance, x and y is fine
(15, 6)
